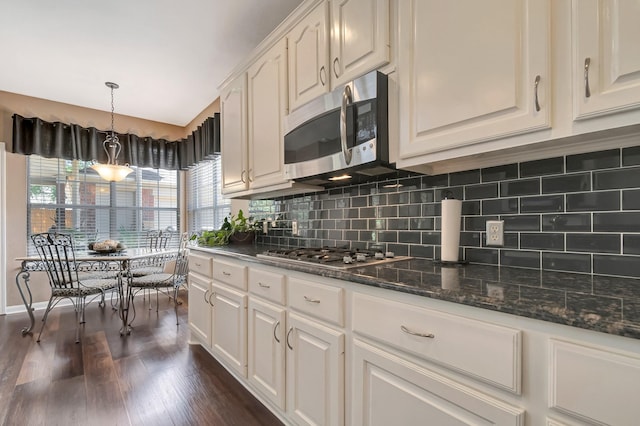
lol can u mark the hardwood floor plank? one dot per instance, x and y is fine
(37, 362)
(96, 359)
(67, 361)
(105, 404)
(67, 402)
(28, 404)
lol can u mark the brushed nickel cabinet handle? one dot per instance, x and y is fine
(264, 285)
(288, 333)
(206, 299)
(535, 89)
(249, 175)
(415, 333)
(311, 300)
(335, 71)
(244, 172)
(274, 332)
(228, 274)
(323, 75)
(587, 90)
(213, 293)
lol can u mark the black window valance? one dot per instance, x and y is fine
(74, 142)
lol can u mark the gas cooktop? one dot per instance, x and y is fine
(333, 257)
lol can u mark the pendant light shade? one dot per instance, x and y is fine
(112, 171)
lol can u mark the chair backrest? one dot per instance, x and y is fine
(58, 256)
(158, 239)
(181, 265)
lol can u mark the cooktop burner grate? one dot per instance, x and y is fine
(335, 257)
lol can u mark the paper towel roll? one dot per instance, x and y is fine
(450, 236)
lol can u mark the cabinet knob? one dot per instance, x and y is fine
(587, 90)
(415, 333)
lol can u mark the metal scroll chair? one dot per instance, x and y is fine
(169, 281)
(154, 240)
(57, 254)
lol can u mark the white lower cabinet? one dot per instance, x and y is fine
(315, 372)
(594, 384)
(199, 308)
(267, 330)
(388, 390)
(229, 331)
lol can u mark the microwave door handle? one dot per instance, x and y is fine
(347, 98)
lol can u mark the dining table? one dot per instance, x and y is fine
(122, 263)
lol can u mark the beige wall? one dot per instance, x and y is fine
(16, 188)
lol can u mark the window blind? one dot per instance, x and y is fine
(206, 206)
(69, 196)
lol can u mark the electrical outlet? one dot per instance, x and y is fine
(294, 227)
(495, 232)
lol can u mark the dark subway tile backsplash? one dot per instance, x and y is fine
(579, 213)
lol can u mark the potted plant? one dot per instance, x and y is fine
(235, 229)
(242, 229)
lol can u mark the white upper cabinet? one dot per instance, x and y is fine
(308, 44)
(606, 57)
(471, 71)
(336, 42)
(233, 108)
(359, 37)
(267, 106)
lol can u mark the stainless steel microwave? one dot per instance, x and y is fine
(342, 136)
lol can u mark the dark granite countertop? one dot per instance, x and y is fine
(600, 303)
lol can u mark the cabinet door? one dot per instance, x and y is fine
(229, 331)
(200, 309)
(359, 38)
(233, 134)
(308, 45)
(487, 89)
(267, 330)
(315, 372)
(605, 35)
(388, 390)
(267, 80)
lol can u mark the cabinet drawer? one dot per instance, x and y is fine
(268, 285)
(594, 384)
(200, 264)
(481, 350)
(230, 273)
(316, 299)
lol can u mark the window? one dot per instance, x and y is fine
(69, 196)
(206, 207)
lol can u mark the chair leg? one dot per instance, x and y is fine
(175, 302)
(79, 316)
(44, 318)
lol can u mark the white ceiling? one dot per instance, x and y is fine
(167, 56)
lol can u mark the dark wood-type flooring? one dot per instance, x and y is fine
(152, 377)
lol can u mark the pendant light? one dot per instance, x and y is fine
(111, 171)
